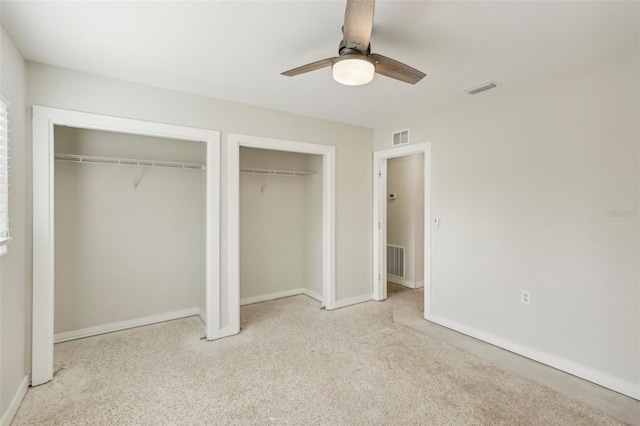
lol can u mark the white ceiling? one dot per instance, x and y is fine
(236, 50)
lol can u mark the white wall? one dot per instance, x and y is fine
(405, 214)
(14, 273)
(276, 227)
(125, 252)
(62, 88)
(521, 180)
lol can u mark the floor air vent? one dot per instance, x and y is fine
(395, 261)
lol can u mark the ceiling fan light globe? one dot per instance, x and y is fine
(353, 71)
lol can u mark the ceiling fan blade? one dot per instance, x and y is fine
(358, 23)
(309, 67)
(394, 69)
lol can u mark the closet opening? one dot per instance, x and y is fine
(129, 220)
(281, 222)
(280, 225)
(125, 227)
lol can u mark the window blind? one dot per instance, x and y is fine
(5, 230)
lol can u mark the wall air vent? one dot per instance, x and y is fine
(400, 138)
(481, 87)
(395, 261)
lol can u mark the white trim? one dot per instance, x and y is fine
(213, 308)
(328, 153)
(44, 120)
(5, 187)
(203, 315)
(380, 217)
(353, 300)
(405, 283)
(312, 294)
(222, 333)
(280, 295)
(123, 325)
(401, 281)
(43, 274)
(8, 416)
(233, 237)
(619, 385)
(271, 296)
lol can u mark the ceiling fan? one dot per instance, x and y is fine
(355, 64)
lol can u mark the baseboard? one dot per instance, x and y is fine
(312, 294)
(603, 379)
(123, 325)
(419, 284)
(8, 416)
(271, 296)
(353, 300)
(224, 332)
(401, 281)
(202, 315)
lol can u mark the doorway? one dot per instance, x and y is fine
(381, 250)
(44, 122)
(327, 154)
(405, 220)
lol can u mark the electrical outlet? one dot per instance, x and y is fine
(525, 297)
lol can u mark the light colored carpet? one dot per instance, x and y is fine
(293, 363)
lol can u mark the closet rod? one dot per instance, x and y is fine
(90, 159)
(274, 172)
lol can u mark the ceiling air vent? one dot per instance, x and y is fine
(481, 87)
(401, 137)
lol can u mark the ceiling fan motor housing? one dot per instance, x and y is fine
(342, 48)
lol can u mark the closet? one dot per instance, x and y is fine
(129, 224)
(280, 224)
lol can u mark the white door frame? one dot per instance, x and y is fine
(44, 120)
(328, 214)
(380, 218)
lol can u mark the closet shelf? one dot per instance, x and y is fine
(274, 172)
(89, 159)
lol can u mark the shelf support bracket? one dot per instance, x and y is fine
(266, 181)
(139, 173)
